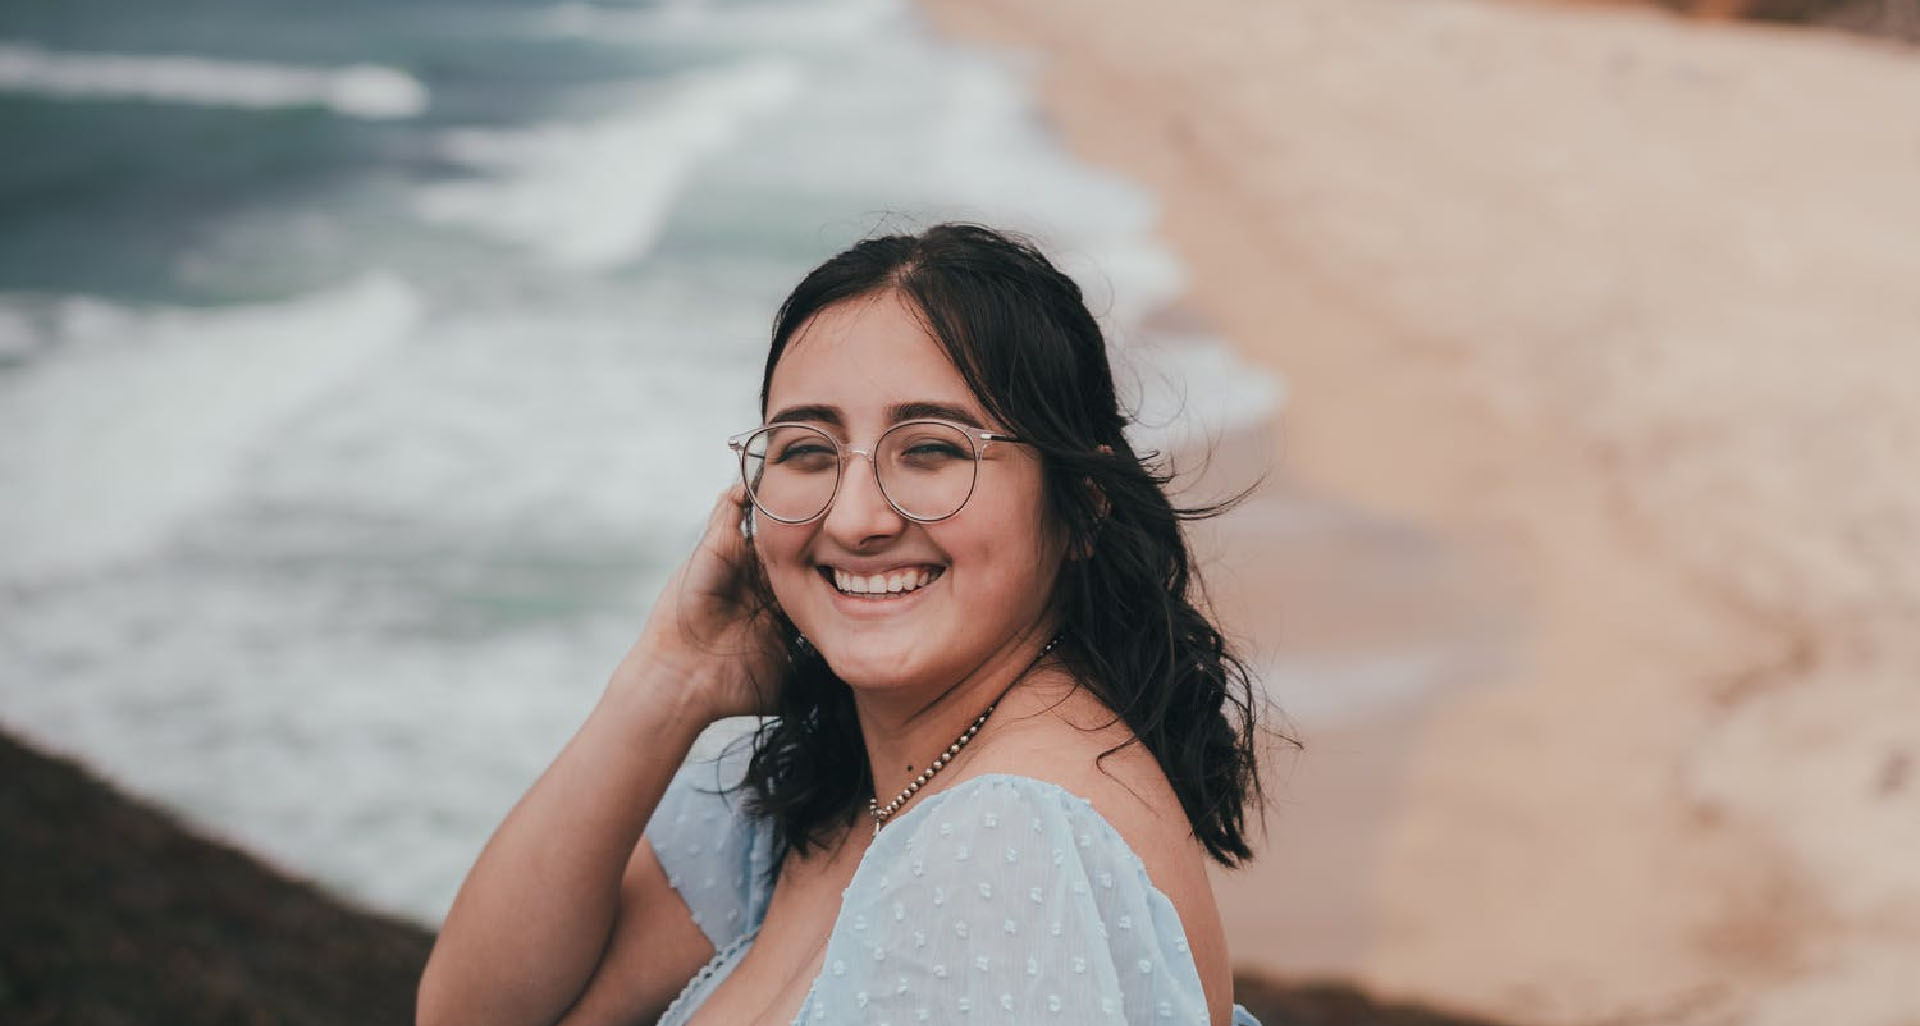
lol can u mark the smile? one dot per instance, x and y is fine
(882, 585)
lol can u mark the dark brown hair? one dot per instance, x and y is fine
(1133, 632)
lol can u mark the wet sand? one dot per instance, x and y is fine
(1358, 627)
(1622, 308)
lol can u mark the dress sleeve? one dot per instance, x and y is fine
(1010, 899)
(715, 854)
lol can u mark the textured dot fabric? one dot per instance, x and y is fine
(1002, 899)
(715, 854)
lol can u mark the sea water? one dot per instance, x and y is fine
(366, 367)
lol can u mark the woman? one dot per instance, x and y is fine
(999, 751)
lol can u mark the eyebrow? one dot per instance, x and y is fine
(830, 415)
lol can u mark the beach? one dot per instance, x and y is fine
(1621, 308)
(345, 449)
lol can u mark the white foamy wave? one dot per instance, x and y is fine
(135, 419)
(987, 150)
(593, 196)
(526, 424)
(358, 90)
(781, 26)
(1193, 390)
(1348, 688)
(18, 339)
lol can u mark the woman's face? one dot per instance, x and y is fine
(854, 370)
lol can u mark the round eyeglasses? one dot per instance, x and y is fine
(926, 469)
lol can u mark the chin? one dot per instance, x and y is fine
(875, 641)
(871, 662)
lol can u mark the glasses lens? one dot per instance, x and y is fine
(791, 471)
(926, 469)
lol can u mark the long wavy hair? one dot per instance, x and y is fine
(1130, 606)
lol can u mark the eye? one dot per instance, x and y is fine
(805, 455)
(931, 450)
(936, 450)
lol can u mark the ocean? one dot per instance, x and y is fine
(365, 367)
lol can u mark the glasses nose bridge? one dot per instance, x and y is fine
(878, 500)
(848, 453)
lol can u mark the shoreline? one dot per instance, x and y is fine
(1566, 288)
(1358, 629)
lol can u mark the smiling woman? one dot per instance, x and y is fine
(999, 741)
(987, 547)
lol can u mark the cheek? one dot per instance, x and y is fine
(781, 549)
(1011, 549)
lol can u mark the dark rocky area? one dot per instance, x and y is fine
(112, 912)
(1892, 19)
(1330, 1003)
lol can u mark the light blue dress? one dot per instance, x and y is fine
(1002, 899)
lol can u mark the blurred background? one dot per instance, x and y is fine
(366, 367)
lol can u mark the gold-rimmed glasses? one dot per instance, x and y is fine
(926, 469)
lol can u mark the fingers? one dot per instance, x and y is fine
(742, 506)
(727, 511)
(731, 504)
(727, 532)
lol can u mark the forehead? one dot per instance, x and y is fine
(863, 356)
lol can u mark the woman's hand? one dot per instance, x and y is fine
(711, 629)
(564, 877)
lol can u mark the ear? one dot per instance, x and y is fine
(1083, 547)
(1101, 507)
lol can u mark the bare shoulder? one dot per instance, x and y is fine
(1067, 737)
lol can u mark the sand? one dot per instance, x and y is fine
(1625, 308)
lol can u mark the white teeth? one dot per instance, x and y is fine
(883, 584)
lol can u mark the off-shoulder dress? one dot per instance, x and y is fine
(1002, 899)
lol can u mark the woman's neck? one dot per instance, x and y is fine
(905, 728)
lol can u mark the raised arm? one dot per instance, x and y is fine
(564, 889)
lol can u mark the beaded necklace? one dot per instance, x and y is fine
(882, 813)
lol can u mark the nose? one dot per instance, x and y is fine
(860, 512)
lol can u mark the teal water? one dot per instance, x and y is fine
(364, 367)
